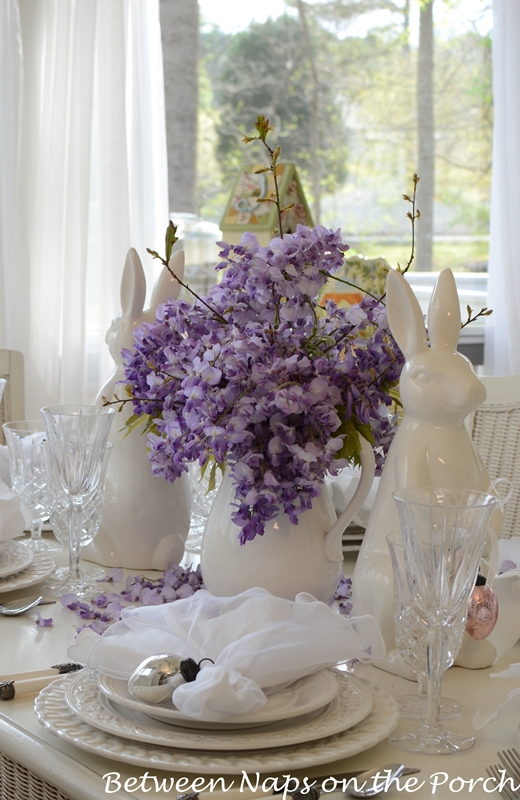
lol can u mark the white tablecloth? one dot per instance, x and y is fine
(79, 774)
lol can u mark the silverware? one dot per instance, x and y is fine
(311, 794)
(15, 607)
(511, 761)
(21, 604)
(29, 682)
(507, 774)
(375, 781)
(346, 776)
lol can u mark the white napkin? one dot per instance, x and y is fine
(12, 520)
(259, 643)
(510, 706)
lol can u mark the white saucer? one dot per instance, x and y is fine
(40, 568)
(14, 557)
(54, 714)
(353, 702)
(301, 697)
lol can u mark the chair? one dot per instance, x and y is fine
(495, 429)
(12, 406)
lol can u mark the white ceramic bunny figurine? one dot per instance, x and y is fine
(145, 518)
(432, 446)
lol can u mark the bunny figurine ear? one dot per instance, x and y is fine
(444, 313)
(133, 286)
(166, 286)
(177, 267)
(404, 314)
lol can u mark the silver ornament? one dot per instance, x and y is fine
(155, 678)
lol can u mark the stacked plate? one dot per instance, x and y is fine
(20, 566)
(315, 720)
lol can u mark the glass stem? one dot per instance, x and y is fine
(75, 523)
(435, 661)
(36, 530)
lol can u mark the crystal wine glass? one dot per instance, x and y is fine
(77, 440)
(203, 491)
(91, 521)
(443, 536)
(411, 634)
(28, 477)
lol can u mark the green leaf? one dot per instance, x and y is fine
(154, 253)
(134, 421)
(212, 480)
(150, 427)
(170, 239)
(263, 127)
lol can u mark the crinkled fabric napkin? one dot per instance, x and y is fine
(259, 643)
(12, 520)
(509, 706)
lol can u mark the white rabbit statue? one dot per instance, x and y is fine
(145, 519)
(431, 447)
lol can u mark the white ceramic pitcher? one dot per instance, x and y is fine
(288, 558)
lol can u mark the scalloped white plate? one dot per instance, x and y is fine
(301, 697)
(353, 702)
(40, 568)
(14, 557)
(54, 714)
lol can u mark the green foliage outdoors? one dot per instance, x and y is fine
(367, 122)
(264, 70)
(461, 255)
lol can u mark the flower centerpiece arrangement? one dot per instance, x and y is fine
(263, 379)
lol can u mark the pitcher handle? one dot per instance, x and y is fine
(333, 549)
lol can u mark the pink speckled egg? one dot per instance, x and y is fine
(482, 612)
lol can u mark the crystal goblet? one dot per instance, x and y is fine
(411, 634)
(203, 492)
(77, 439)
(28, 477)
(91, 521)
(443, 537)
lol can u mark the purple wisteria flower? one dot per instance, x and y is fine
(41, 622)
(342, 597)
(104, 609)
(262, 379)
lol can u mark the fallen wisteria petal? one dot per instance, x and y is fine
(103, 610)
(41, 622)
(99, 615)
(114, 575)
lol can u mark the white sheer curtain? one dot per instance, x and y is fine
(502, 351)
(83, 176)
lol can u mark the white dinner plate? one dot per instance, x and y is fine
(301, 697)
(14, 557)
(40, 568)
(54, 713)
(353, 702)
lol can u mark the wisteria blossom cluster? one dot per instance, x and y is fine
(176, 583)
(262, 378)
(105, 608)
